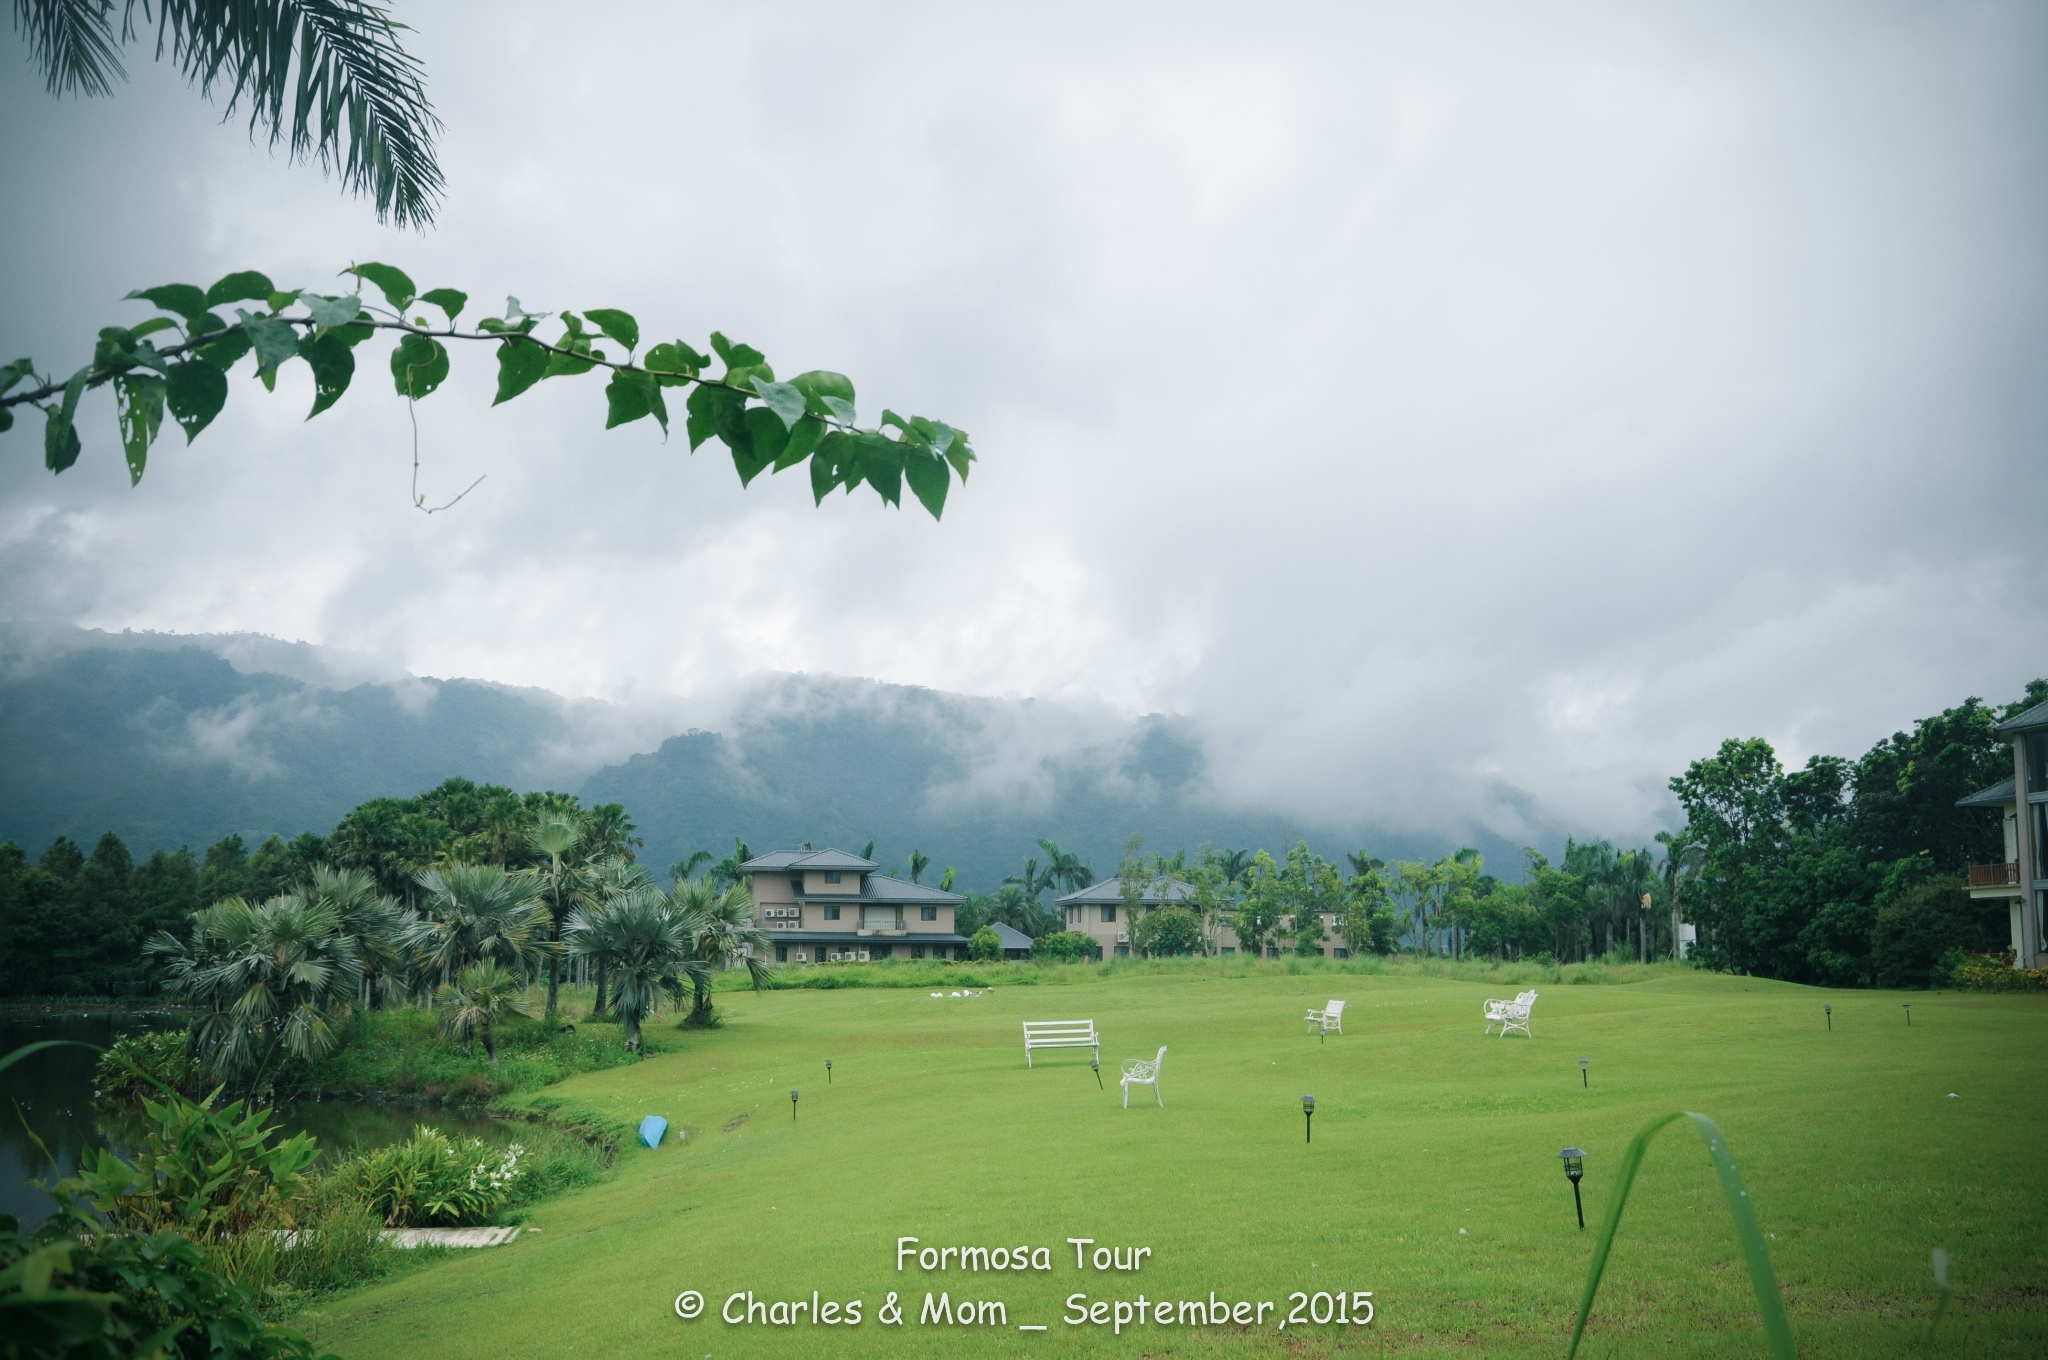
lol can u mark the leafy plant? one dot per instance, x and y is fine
(1763, 1280)
(433, 1179)
(139, 1063)
(479, 994)
(764, 422)
(1065, 946)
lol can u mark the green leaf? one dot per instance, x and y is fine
(10, 374)
(183, 298)
(960, 455)
(629, 396)
(153, 325)
(700, 425)
(718, 411)
(521, 364)
(274, 341)
(61, 445)
(195, 392)
(354, 333)
(928, 478)
(448, 300)
(139, 409)
(618, 325)
(398, 290)
(803, 442)
(825, 469)
(767, 436)
(783, 399)
(1763, 1280)
(333, 363)
(328, 312)
(818, 385)
(418, 366)
(881, 463)
(225, 352)
(739, 356)
(677, 359)
(245, 286)
(6, 419)
(569, 365)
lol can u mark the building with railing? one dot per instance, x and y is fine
(827, 906)
(2021, 878)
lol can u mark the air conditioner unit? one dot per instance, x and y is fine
(800, 957)
(1123, 937)
(863, 956)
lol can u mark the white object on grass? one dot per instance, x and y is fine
(1330, 1017)
(1138, 1072)
(1059, 1034)
(1510, 1014)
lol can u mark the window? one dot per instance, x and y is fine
(782, 953)
(927, 914)
(917, 951)
(1123, 951)
(831, 913)
(2036, 760)
(831, 875)
(1342, 953)
(1109, 913)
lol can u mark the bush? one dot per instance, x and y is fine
(1923, 922)
(432, 1179)
(1995, 973)
(1167, 932)
(986, 945)
(160, 1054)
(205, 1173)
(1065, 946)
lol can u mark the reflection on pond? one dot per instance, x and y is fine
(47, 1098)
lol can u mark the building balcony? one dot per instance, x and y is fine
(2005, 875)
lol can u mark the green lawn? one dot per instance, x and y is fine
(1433, 1180)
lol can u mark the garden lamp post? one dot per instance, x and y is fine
(1584, 1080)
(828, 1071)
(1830, 1009)
(1909, 1013)
(1574, 1160)
(1308, 1119)
(1095, 1066)
(792, 1107)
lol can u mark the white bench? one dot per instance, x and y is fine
(1330, 1017)
(1138, 1072)
(1060, 1034)
(1510, 1014)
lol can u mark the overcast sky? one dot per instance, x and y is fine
(1466, 414)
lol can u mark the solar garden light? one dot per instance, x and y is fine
(1308, 1117)
(1574, 1160)
(792, 1107)
(1584, 1080)
(828, 1071)
(1909, 1013)
(1830, 1009)
(1095, 1066)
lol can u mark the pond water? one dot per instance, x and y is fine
(48, 1097)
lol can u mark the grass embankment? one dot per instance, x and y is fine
(1433, 1179)
(400, 1054)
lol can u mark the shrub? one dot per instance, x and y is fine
(986, 945)
(1168, 931)
(161, 1054)
(432, 1179)
(1065, 946)
(1923, 922)
(205, 1173)
(1995, 973)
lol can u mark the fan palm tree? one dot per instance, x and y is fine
(722, 935)
(479, 994)
(373, 918)
(327, 78)
(555, 836)
(478, 912)
(269, 982)
(594, 885)
(642, 942)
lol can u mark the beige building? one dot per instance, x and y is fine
(831, 907)
(2021, 878)
(1100, 911)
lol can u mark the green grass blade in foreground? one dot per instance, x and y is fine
(18, 1054)
(1770, 1304)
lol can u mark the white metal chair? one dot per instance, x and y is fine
(1138, 1072)
(1330, 1017)
(1510, 1015)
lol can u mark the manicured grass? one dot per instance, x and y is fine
(1433, 1179)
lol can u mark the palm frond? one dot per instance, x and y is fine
(72, 42)
(358, 103)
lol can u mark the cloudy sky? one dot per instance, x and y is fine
(1465, 414)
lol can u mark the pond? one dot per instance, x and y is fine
(48, 1097)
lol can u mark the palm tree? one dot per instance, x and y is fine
(1030, 880)
(722, 935)
(478, 994)
(269, 980)
(727, 870)
(478, 912)
(684, 868)
(919, 862)
(640, 939)
(555, 836)
(596, 884)
(369, 915)
(1234, 863)
(357, 100)
(1064, 871)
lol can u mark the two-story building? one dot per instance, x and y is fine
(1099, 910)
(831, 907)
(2021, 878)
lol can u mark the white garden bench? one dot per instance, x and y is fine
(1330, 1017)
(1138, 1072)
(1510, 1014)
(1060, 1034)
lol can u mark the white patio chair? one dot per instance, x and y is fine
(1138, 1072)
(1330, 1017)
(1510, 1015)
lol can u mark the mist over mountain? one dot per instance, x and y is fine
(172, 739)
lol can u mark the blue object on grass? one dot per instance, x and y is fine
(651, 1130)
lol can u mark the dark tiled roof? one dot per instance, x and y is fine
(806, 859)
(2037, 716)
(882, 888)
(1111, 890)
(1011, 937)
(1998, 795)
